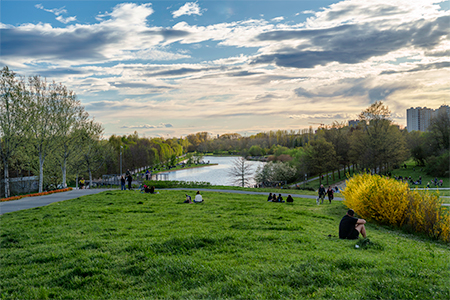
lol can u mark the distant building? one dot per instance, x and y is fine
(353, 123)
(419, 118)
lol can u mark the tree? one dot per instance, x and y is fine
(44, 109)
(241, 171)
(321, 157)
(93, 150)
(69, 117)
(14, 121)
(377, 144)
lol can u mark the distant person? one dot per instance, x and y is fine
(82, 182)
(274, 197)
(321, 194)
(289, 199)
(336, 189)
(350, 227)
(122, 183)
(198, 198)
(330, 194)
(147, 173)
(129, 179)
(188, 199)
(270, 197)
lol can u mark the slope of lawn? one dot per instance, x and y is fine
(128, 245)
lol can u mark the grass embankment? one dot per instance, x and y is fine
(416, 171)
(127, 245)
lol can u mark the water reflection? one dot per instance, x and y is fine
(216, 175)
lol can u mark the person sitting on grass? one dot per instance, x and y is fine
(198, 198)
(188, 199)
(289, 199)
(350, 227)
(280, 199)
(274, 197)
(270, 197)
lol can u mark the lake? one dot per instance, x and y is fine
(217, 174)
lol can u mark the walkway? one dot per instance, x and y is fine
(32, 202)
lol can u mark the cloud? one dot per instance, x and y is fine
(277, 19)
(350, 44)
(147, 126)
(189, 8)
(421, 67)
(58, 12)
(55, 11)
(363, 88)
(66, 20)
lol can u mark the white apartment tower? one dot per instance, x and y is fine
(419, 118)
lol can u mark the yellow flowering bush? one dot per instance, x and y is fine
(377, 198)
(390, 202)
(426, 214)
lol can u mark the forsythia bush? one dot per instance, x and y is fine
(376, 198)
(426, 214)
(390, 202)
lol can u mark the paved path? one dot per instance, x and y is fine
(32, 202)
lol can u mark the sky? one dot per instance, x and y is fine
(172, 68)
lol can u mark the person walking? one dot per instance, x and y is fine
(321, 194)
(130, 179)
(122, 183)
(330, 193)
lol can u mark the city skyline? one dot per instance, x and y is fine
(172, 68)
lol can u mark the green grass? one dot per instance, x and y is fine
(416, 171)
(128, 245)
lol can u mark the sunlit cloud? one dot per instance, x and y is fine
(188, 9)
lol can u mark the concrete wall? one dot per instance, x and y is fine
(20, 185)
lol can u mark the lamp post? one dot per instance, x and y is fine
(121, 147)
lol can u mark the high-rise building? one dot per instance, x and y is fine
(419, 118)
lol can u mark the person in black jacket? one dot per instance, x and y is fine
(130, 179)
(350, 227)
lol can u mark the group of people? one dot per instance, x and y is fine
(322, 192)
(198, 198)
(273, 198)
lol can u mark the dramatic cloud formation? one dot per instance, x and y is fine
(236, 67)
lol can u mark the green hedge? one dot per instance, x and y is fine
(162, 184)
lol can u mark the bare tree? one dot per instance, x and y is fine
(241, 171)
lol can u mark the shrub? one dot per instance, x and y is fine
(426, 214)
(376, 198)
(390, 202)
(165, 184)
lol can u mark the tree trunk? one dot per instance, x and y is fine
(5, 163)
(90, 178)
(64, 169)
(41, 172)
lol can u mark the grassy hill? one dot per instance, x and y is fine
(127, 245)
